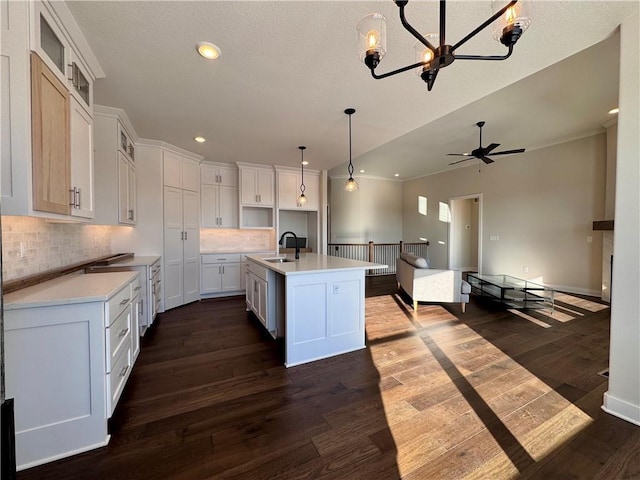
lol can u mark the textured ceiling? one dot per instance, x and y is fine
(289, 69)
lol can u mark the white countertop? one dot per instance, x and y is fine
(312, 262)
(73, 288)
(227, 252)
(136, 261)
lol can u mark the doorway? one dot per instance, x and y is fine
(465, 233)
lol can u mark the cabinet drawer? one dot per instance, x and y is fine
(117, 378)
(135, 287)
(118, 303)
(258, 270)
(221, 258)
(118, 337)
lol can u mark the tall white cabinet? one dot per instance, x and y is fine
(181, 225)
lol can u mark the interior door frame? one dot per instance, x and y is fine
(451, 232)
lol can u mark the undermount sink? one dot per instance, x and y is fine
(278, 260)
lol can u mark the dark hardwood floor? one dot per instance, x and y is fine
(489, 394)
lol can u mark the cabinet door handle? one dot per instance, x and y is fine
(181, 235)
(186, 235)
(123, 372)
(123, 332)
(72, 191)
(125, 301)
(78, 199)
(137, 288)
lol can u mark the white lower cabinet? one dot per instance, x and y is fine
(220, 273)
(66, 366)
(260, 296)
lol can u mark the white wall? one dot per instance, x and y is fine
(372, 213)
(541, 205)
(623, 397)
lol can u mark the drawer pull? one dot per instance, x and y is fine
(137, 288)
(123, 332)
(125, 301)
(123, 372)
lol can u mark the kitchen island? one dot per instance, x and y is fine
(316, 303)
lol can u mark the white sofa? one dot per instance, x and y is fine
(424, 284)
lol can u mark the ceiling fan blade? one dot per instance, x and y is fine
(486, 160)
(490, 147)
(506, 152)
(460, 154)
(460, 161)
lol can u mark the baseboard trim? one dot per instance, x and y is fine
(621, 409)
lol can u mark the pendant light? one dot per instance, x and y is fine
(351, 185)
(302, 199)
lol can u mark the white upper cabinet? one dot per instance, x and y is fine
(289, 182)
(115, 188)
(215, 174)
(219, 196)
(256, 186)
(82, 164)
(63, 131)
(181, 172)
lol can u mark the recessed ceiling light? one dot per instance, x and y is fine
(396, 174)
(200, 139)
(361, 171)
(613, 111)
(208, 50)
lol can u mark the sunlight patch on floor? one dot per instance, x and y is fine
(580, 302)
(454, 384)
(522, 314)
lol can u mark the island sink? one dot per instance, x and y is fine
(278, 260)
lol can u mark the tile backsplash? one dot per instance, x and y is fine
(32, 245)
(237, 240)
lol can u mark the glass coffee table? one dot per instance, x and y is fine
(512, 291)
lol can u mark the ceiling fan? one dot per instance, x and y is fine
(482, 152)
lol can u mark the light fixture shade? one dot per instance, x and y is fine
(351, 185)
(372, 36)
(519, 15)
(302, 200)
(422, 53)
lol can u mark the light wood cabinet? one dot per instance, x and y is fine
(50, 140)
(181, 247)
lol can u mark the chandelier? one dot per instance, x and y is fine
(372, 43)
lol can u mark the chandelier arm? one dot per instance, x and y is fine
(484, 25)
(486, 57)
(399, 70)
(412, 30)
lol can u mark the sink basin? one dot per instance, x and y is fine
(278, 260)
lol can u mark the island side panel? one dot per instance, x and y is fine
(324, 315)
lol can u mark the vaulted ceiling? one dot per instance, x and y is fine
(289, 69)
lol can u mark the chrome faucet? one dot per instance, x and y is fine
(296, 240)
